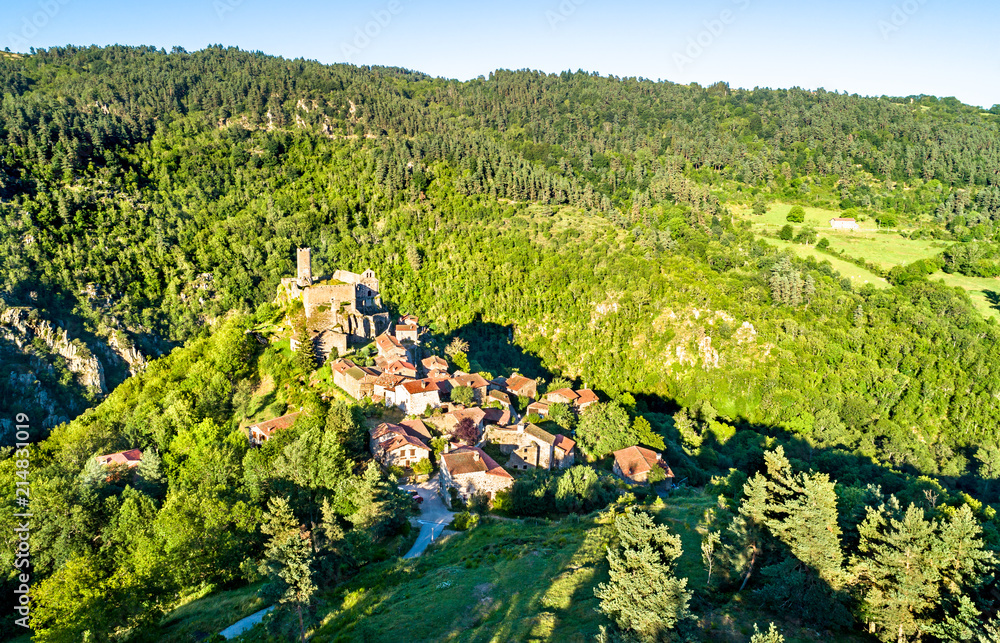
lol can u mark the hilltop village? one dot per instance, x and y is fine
(457, 422)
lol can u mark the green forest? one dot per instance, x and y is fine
(574, 227)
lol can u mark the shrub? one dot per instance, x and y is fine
(796, 214)
(422, 467)
(463, 520)
(786, 233)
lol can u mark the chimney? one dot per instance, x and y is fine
(475, 456)
(520, 429)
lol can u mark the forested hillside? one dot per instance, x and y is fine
(582, 224)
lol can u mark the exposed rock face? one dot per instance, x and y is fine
(127, 352)
(21, 327)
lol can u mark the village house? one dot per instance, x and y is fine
(584, 398)
(520, 386)
(470, 471)
(633, 464)
(409, 320)
(539, 408)
(414, 396)
(397, 445)
(384, 388)
(407, 332)
(434, 364)
(498, 396)
(577, 400)
(417, 426)
(261, 432)
(474, 381)
(389, 348)
(401, 367)
(839, 223)
(560, 396)
(496, 416)
(356, 381)
(531, 447)
(446, 423)
(130, 458)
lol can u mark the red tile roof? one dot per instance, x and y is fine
(564, 443)
(130, 458)
(417, 426)
(400, 366)
(566, 393)
(270, 426)
(420, 386)
(472, 380)
(516, 382)
(402, 328)
(463, 460)
(633, 460)
(434, 363)
(585, 396)
(497, 416)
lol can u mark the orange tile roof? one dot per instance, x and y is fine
(434, 363)
(463, 460)
(130, 458)
(417, 426)
(636, 459)
(420, 386)
(585, 396)
(472, 380)
(564, 443)
(270, 426)
(563, 392)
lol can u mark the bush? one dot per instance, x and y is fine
(463, 520)
(786, 233)
(422, 467)
(823, 244)
(796, 214)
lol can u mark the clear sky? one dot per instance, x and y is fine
(873, 47)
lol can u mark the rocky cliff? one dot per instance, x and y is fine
(23, 326)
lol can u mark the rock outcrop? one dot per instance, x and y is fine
(22, 326)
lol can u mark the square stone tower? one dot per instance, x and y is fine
(304, 273)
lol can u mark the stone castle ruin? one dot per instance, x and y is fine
(345, 309)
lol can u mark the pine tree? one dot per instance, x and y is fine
(288, 561)
(644, 595)
(771, 636)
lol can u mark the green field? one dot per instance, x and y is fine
(984, 291)
(885, 249)
(858, 275)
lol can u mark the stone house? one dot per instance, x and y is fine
(839, 223)
(389, 348)
(397, 445)
(356, 381)
(500, 417)
(633, 464)
(417, 426)
(539, 408)
(531, 447)
(384, 388)
(470, 471)
(401, 367)
(415, 396)
(407, 333)
(130, 458)
(261, 432)
(449, 421)
(434, 364)
(474, 381)
(561, 396)
(519, 385)
(584, 398)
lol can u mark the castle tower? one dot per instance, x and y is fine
(304, 261)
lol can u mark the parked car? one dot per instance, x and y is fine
(417, 497)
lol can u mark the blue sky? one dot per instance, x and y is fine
(895, 47)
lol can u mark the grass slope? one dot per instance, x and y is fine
(858, 275)
(984, 291)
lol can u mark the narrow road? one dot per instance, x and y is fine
(434, 515)
(239, 627)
